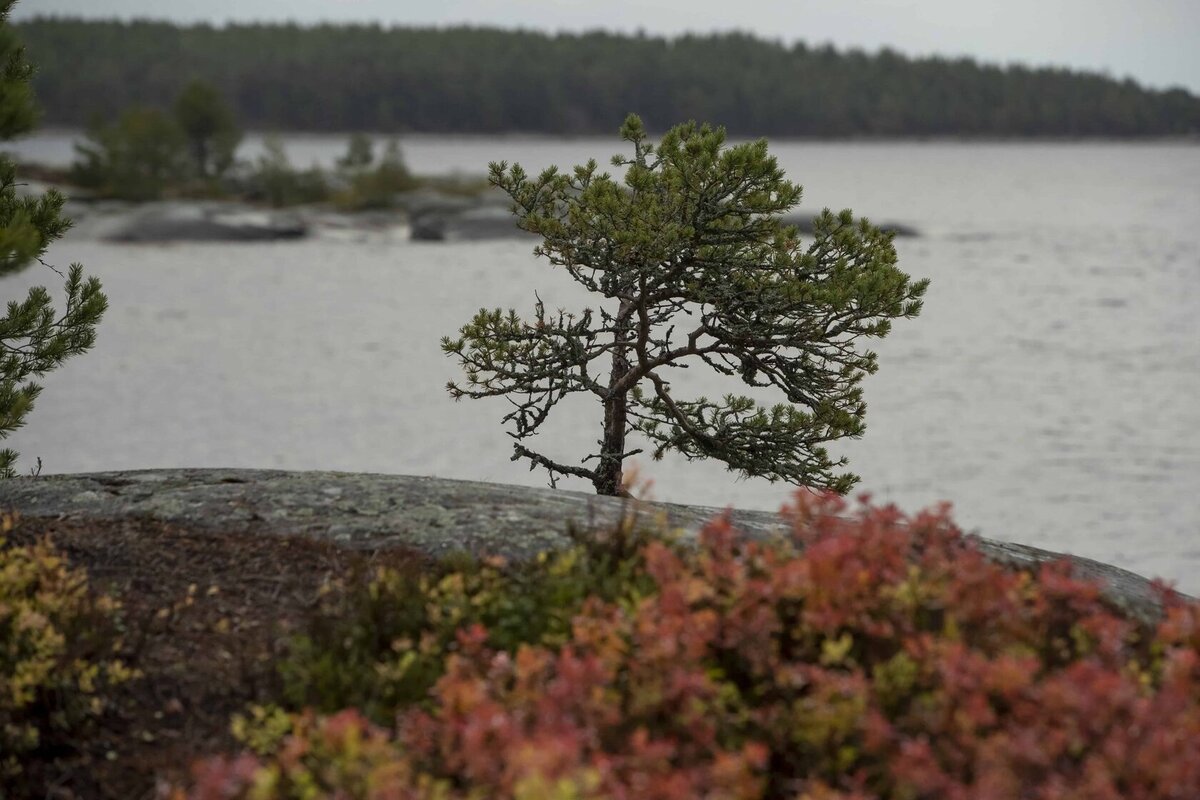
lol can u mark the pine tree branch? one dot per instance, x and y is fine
(553, 467)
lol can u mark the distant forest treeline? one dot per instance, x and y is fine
(339, 78)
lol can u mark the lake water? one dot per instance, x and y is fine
(1050, 389)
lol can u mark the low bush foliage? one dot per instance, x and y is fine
(871, 655)
(380, 644)
(59, 648)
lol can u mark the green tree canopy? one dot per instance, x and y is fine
(34, 337)
(395, 79)
(694, 266)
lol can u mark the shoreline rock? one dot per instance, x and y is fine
(206, 222)
(434, 516)
(425, 215)
(472, 224)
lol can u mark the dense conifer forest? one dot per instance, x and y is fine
(478, 80)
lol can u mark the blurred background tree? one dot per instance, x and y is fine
(360, 152)
(34, 336)
(135, 158)
(277, 183)
(370, 184)
(208, 124)
(147, 152)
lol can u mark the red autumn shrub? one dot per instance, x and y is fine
(872, 656)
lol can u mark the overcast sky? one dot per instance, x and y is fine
(1157, 42)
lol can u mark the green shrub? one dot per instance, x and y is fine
(872, 656)
(382, 644)
(59, 652)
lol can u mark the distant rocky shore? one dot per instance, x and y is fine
(425, 214)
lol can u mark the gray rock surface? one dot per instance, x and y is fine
(431, 515)
(426, 200)
(472, 224)
(205, 222)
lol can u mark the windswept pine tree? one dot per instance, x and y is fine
(693, 267)
(34, 336)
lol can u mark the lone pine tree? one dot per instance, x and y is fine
(696, 265)
(34, 337)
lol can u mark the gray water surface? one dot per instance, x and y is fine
(1050, 390)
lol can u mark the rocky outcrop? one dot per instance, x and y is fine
(430, 515)
(428, 201)
(205, 222)
(436, 216)
(426, 214)
(484, 222)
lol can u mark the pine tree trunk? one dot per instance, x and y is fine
(608, 471)
(612, 444)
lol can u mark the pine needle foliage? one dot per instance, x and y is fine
(34, 337)
(695, 266)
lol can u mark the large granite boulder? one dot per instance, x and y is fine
(429, 515)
